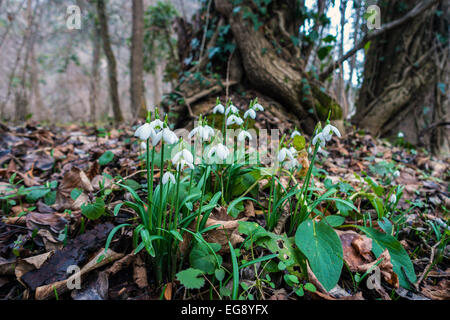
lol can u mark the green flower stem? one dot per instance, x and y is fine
(304, 189)
(175, 225)
(150, 181)
(201, 203)
(161, 171)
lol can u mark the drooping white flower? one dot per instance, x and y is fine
(169, 136)
(219, 108)
(285, 153)
(258, 107)
(396, 174)
(232, 108)
(182, 163)
(196, 131)
(393, 198)
(328, 132)
(234, 120)
(250, 113)
(208, 132)
(184, 154)
(204, 132)
(156, 125)
(400, 135)
(168, 176)
(144, 132)
(220, 151)
(295, 133)
(321, 138)
(143, 145)
(291, 164)
(244, 134)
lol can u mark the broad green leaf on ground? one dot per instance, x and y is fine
(399, 257)
(322, 247)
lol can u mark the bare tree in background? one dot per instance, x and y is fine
(138, 105)
(93, 89)
(21, 94)
(112, 66)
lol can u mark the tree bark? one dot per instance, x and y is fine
(400, 89)
(21, 96)
(282, 79)
(112, 66)
(93, 89)
(137, 60)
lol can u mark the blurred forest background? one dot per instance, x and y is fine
(303, 57)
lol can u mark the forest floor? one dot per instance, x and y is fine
(43, 231)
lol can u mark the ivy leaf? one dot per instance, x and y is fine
(323, 52)
(322, 247)
(94, 210)
(75, 193)
(36, 194)
(334, 220)
(190, 278)
(106, 158)
(203, 259)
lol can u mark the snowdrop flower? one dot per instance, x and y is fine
(250, 113)
(295, 133)
(234, 120)
(258, 107)
(220, 151)
(144, 132)
(244, 134)
(143, 145)
(396, 174)
(168, 176)
(321, 138)
(219, 108)
(328, 132)
(285, 153)
(393, 198)
(181, 164)
(400, 135)
(204, 132)
(169, 136)
(156, 124)
(185, 155)
(232, 108)
(291, 164)
(208, 132)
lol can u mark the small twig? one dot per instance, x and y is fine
(428, 267)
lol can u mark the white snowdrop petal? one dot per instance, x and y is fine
(219, 108)
(156, 137)
(144, 132)
(258, 107)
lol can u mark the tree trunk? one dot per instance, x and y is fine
(138, 105)
(21, 96)
(93, 89)
(404, 71)
(112, 68)
(279, 74)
